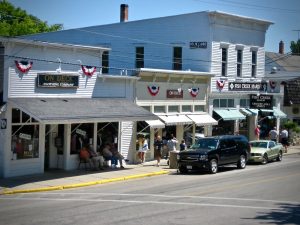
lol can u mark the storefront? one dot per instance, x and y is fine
(179, 99)
(53, 108)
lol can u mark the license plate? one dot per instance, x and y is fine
(189, 167)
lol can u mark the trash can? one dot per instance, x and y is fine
(173, 159)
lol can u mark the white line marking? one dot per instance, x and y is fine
(146, 202)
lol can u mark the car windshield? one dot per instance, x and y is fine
(205, 143)
(259, 144)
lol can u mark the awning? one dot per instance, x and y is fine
(279, 114)
(81, 110)
(246, 112)
(155, 123)
(176, 119)
(202, 119)
(253, 111)
(230, 114)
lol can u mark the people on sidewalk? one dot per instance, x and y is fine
(143, 148)
(158, 144)
(273, 134)
(284, 134)
(257, 132)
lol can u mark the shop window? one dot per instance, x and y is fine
(16, 115)
(186, 108)
(81, 134)
(148, 108)
(159, 109)
(230, 103)
(25, 118)
(25, 141)
(223, 103)
(173, 108)
(199, 108)
(245, 103)
(216, 103)
(139, 57)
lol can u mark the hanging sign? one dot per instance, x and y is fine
(174, 94)
(25, 136)
(198, 44)
(81, 132)
(58, 80)
(247, 86)
(261, 101)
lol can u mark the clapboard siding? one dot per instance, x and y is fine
(126, 138)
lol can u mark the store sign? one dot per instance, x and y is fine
(198, 44)
(58, 80)
(25, 136)
(174, 94)
(247, 86)
(81, 132)
(261, 101)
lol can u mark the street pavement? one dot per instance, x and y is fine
(59, 179)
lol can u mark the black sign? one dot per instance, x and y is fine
(261, 101)
(247, 86)
(198, 44)
(58, 80)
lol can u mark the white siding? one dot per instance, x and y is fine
(126, 130)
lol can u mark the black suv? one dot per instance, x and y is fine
(211, 152)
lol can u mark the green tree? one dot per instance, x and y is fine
(15, 22)
(295, 47)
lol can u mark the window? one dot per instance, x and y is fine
(105, 62)
(139, 57)
(186, 108)
(159, 109)
(239, 63)
(254, 63)
(245, 103)
(224, 61)
(223, 103)
(177, 58)
(148, 108)
(199, 108)
(173, 108)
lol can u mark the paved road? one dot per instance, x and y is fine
(260, 194)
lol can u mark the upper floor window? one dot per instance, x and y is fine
(177, 58)
(105, 62)
(253, 63)
(139, 57)
(245, 103)
(239, 63)
(223, 103)
(224, 61)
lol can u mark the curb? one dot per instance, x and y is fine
(84, 184)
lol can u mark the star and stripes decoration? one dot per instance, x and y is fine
(23, 66)
(153, 89)
(220, 84)
(272, 84)
(194, 92)
(88, 70)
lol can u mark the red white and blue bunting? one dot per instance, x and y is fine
(272, 84)
(220, 84)
(88, 70)
(23, 66)
(194, 92)
(153, 89)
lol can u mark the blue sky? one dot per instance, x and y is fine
(78, 13)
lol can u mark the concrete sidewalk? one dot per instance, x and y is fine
(59, 179)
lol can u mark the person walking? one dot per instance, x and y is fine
(257, 132)
(284, 134)
(143, 148)
(182, 145)
(273, 134)
(158, 144)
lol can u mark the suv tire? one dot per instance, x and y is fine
(213, 166)
(241, 164)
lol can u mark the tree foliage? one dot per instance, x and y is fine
(295, 47)
(15, 22)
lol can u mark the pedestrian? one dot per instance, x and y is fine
(257, 132)
(284, 138)
(273, 134)
(158, 144)
(143, 148)
(182, 145)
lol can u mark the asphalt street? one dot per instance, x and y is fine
(259, 194)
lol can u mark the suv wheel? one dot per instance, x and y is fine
(213, 166)
(182, 169)
(242, 162)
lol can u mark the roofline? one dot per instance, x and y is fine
(52, 44)
(175, 72)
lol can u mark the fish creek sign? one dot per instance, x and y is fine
(261, 101)
(58, 80)
(247, 86)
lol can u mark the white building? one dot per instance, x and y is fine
(53, 99)
(229, 46)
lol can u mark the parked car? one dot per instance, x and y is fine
(211, 152)
(265, 150)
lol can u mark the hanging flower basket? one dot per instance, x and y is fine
(23, 66)
(153, 90)
(194, 92)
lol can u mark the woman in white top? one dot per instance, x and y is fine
(143, 147)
